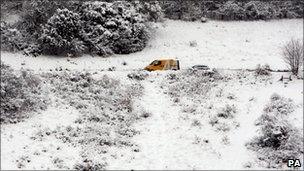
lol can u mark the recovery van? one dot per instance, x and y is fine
(163, 64)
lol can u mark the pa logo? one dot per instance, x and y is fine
(294, 163)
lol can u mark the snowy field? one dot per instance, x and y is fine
(175, 134)
(220, 44)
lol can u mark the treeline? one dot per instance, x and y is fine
(232, 9)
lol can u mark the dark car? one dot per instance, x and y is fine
(200, 67)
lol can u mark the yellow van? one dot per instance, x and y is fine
(163, 64)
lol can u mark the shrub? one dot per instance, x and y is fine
(227, 112)
(11, 38)
(230, 10)
(138, 75)
(262, 70)
(113, 27)
(183, 10)
(36, 13)
(280, 105)
(293, 55)
(278, 140)
(62, 34)
(256, 10)
(73, 28)
(213, 121)
(151, 11)
(223, 127)
(192, 83)
(193, 43)
(87, 165)
(20, 95)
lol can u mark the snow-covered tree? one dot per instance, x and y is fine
(113, 27)
(62, 34)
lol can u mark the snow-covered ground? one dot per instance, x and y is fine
(168, 138)
(236, 44)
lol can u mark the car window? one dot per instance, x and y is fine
(152, 63)
(155, 63)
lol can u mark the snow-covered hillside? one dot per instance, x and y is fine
(235, 44)
(159, 129)
(173, 135)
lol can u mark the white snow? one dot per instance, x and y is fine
(167, 140)
(235, 44)
(16, 142)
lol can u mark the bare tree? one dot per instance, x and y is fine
(293, 55)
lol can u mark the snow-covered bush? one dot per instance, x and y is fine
(62, 34)
(182, 10)
(230, 10)
(223, 127)
(227, 112)
(280, 105)
(192, 83)
(89, 165)
(113, 27)
(193, 43)
(11, 38)
(138, 75)
(259, 10)
(262, 70)
(278, 140)
(151, 11)
(70, 28)
(36, 13)
(20, 93)
(213, 120)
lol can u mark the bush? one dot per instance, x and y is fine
(227, 112)
(113, 28)
(262, 70)
(192, 83)
(280, 105)
(256, 10)
(151, 11)
(36, 13)
(11, 38)
(89, 165)
(74, 28)
(62, 34)
(182, 10)
(293, 55)
(278, 140)
(20, 94)
(230, 10)
(138, 75)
